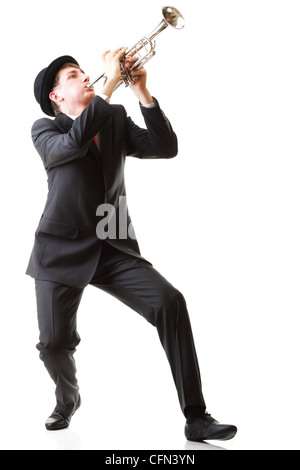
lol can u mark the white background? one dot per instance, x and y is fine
(227, 209)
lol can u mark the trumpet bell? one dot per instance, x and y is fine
(173, 17)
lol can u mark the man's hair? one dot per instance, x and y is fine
(54, 105)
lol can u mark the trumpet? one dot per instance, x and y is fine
(144, 49)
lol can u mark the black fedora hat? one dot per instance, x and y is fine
(44, 82)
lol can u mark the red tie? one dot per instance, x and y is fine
(95, 140)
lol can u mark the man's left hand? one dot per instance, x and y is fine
(139, 87)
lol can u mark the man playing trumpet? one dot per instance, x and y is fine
(83, 151)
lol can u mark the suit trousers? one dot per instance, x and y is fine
(137, 284)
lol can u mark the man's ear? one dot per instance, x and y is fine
(55, 97)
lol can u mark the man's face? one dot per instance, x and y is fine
(72, 88)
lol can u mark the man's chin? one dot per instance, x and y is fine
(90, 96)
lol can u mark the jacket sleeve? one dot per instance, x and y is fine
(157, 141)
(57, 148)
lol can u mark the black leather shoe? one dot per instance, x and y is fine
(205, 427)
(57, 421)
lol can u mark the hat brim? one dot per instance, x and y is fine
(48, 80)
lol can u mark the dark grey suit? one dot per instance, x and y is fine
(66, 247)
(67, 254)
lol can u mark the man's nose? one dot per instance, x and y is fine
(85, 78)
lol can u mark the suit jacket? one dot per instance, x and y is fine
(80, 178)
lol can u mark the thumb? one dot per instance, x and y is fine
(104, 54)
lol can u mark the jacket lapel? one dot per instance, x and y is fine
(106, 148)
(104, 158)
(64, 123)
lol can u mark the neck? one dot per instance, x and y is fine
(72, 110)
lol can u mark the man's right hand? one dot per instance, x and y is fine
(111, 65)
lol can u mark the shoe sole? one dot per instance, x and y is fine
(218, 437)
(58, 428)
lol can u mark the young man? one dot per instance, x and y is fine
(83, 174)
